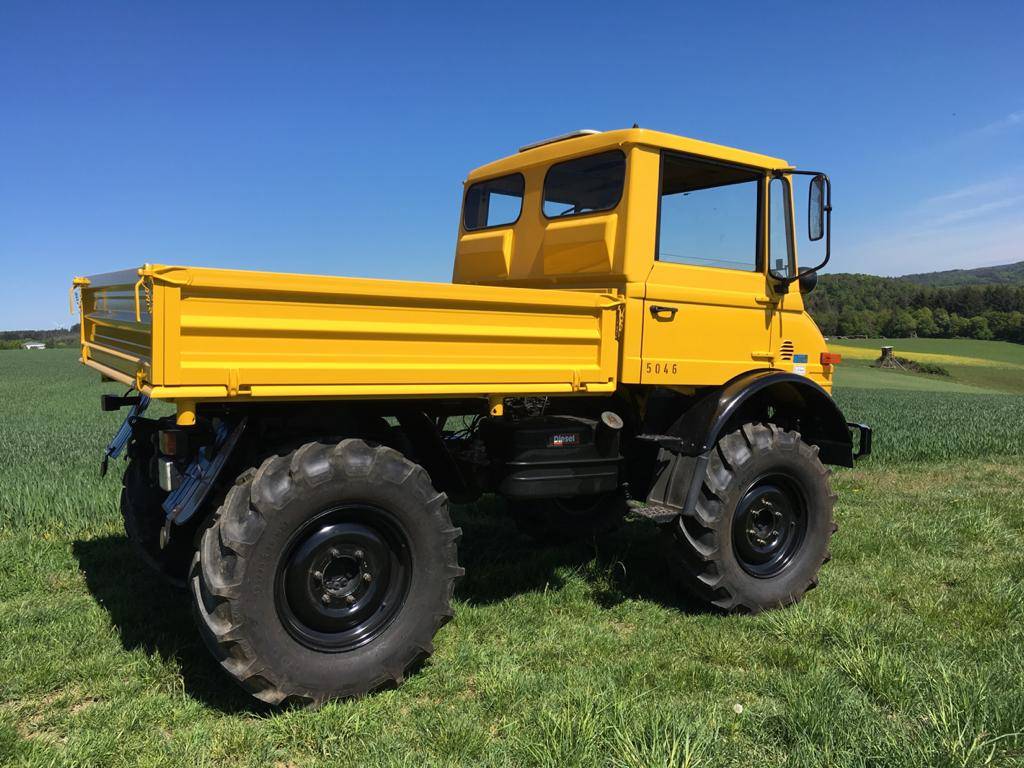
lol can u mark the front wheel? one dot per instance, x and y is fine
(761, 527)
(326, 573)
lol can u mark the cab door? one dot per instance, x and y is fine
(708, 306)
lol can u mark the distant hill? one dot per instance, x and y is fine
(984, 303)
(1004, 274)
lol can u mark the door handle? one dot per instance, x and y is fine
(766, 301)
(659, 311)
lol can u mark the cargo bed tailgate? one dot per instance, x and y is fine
(117, 323)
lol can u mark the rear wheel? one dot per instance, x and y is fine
(762, 524)
(326, 573)
(559, 521)
(141, 500)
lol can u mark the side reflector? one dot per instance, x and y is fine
(831, 358)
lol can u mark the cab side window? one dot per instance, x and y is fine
(493, 203)
(584, 185)
(708, 214)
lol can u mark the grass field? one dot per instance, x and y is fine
(961, 351)
(911, 653)
(974, 366)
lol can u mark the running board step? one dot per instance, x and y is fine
(656, 513)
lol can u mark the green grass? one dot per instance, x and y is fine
(995, 351)
(857, 374)
(910, 653)
(937, 426)
(974, 366)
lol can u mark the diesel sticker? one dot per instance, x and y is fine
(564, 440)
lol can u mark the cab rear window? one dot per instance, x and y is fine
(493, 203)
(584, 185)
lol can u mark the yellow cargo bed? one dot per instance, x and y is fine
(214, 334)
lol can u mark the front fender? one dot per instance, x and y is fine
(767, 394)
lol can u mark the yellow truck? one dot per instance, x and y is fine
(624, 335)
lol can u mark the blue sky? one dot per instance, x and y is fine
(333, 137)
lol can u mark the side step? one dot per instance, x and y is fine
(656, 513)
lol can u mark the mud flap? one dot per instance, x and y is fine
(199, 477)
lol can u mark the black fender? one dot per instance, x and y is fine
(786, 398)
(790, 400)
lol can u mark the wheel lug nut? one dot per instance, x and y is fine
(325, 599)
(358, 554)
(350, 599)
(335, 552)
(367, 578)
(318, 575)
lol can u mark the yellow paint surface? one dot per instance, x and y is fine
(539, 306)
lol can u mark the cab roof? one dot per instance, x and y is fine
(587, 142)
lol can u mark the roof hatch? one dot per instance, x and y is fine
(562, 137)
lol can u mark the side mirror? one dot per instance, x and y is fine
(816, 208)
(807, 281)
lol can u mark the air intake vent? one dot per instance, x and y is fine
(786, 350)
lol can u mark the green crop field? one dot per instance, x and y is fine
(973, 366)
(911, 652)
(994, 353)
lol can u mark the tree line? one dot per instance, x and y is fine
(866, 305)
(55, 337)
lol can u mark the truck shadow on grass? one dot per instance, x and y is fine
(500, 563)
(151, 616)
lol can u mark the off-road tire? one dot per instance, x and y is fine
(703, 549)
(561, 521)
(141, 500)
(235, 576)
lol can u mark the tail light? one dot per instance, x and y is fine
(831, 358)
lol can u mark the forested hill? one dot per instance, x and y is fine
(1003, 274)
(867, 305)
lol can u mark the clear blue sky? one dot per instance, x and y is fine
(333, 137)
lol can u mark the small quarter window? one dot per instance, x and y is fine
(584, 185)
(493, 203)
(780, 241)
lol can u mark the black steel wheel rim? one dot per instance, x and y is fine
(343, 577)
(769, 525)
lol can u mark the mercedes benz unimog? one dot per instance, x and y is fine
(624, 335)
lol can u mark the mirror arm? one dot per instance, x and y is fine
(828, 220)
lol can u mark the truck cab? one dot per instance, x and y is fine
(697, 238)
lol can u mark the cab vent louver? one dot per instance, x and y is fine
(786, 350)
